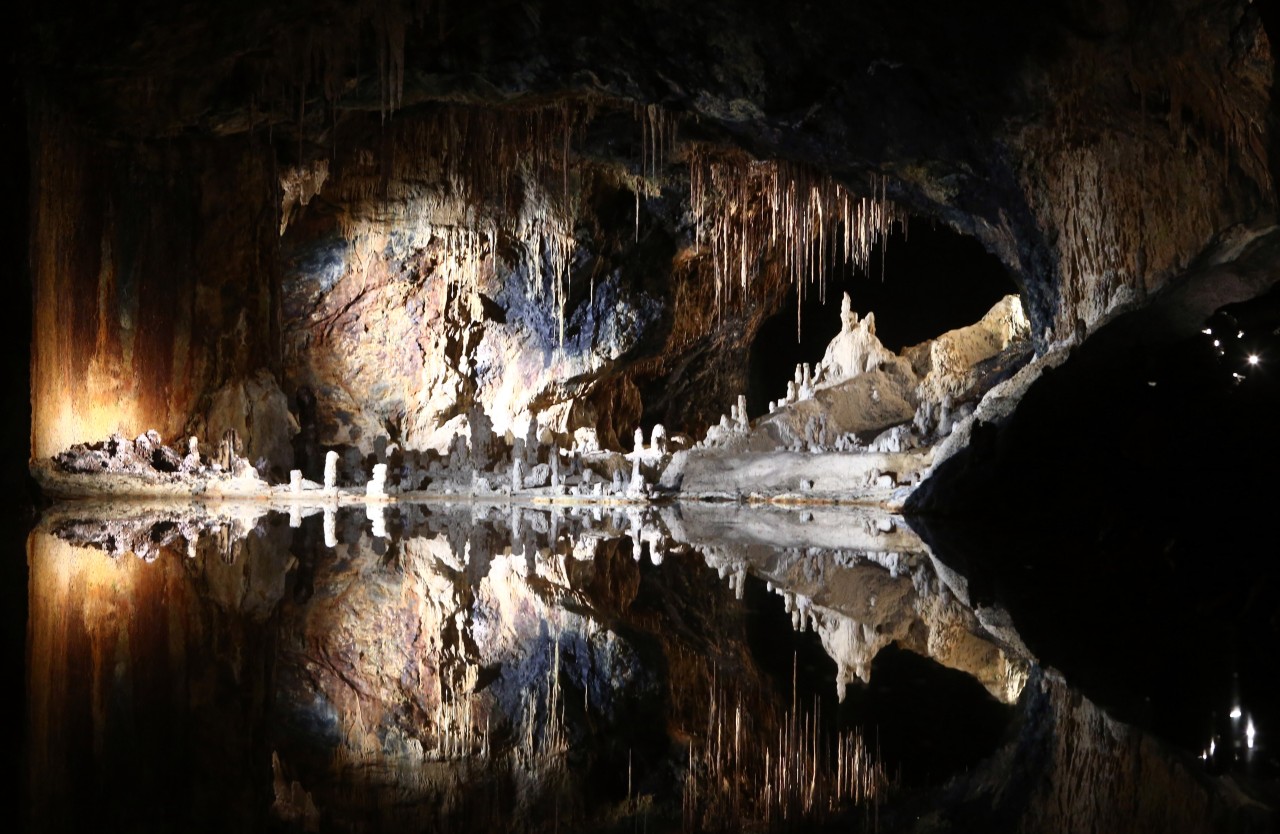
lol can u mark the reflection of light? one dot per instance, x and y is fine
(1235, 712)
(1208, 331)
(1212, 746)
(1216, 343)
(1253, 359)
(1240, 334)
(1250, 734)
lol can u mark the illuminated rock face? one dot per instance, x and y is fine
(153, 272)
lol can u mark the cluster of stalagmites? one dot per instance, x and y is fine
(928, 378)
(860, 398)
(483, 464)
(147, 455)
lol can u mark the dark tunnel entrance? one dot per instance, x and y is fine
(932, 280)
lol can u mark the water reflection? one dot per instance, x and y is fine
(468, 666)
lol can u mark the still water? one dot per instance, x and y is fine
(466, 667)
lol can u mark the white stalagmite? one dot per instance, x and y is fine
(376, 487)
(636, 488)
(856, 349)
(191, 462)
(331, 472)
(295, 481)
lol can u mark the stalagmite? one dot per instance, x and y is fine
(658, 439)
(637, 486)
(191, 463)
(376, 487)
(295, 481)
(331, 472)
(516, 480)
(228, 450)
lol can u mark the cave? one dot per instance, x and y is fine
(919, 282)
(739, 416)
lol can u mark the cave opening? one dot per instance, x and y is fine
(924, 280)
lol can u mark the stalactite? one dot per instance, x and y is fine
(748, 213)
(657, 145)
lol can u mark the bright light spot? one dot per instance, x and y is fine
(1250, 734)
(1216, 343)
(1212, 746)
(1208, 331)
(1254, 359)
(1240, 334)
(1235, 712)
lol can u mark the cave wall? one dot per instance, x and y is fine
(155, 291)
(233, 210)
(465, 256)
(1151, 144)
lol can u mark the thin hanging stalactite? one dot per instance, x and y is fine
(749, 212)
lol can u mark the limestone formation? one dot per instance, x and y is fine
(331, 472)
(191, 463)
(377, 484)
(855, 350)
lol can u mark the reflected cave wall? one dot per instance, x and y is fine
(147, 687)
